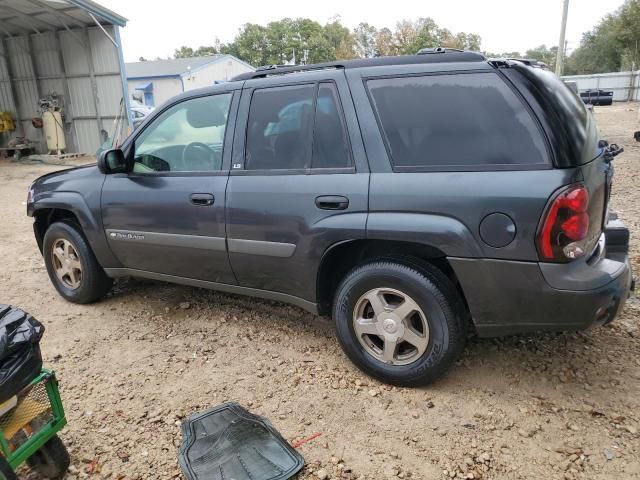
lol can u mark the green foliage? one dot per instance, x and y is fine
(187, 52)
(280, 41)
(302, 39)
(364, 36)
(544, 54)
(503, 55)
(613, 45)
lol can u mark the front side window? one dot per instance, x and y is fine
(188, 137)
(462, 120)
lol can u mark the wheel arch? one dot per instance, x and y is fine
(73, 207)
(45, 217)
(341, 257)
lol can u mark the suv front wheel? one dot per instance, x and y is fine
(401, 324)
(72, 267)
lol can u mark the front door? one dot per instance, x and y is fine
(299, 181)
(167, 215)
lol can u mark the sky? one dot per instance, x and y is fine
(157, 27)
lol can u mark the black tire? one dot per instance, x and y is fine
(6, 472)
(52, 460)
(434, 294)
(94, 283)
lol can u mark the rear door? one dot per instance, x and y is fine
(298, 184)
(166, 216)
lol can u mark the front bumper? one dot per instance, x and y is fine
(509, 297)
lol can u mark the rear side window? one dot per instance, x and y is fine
(296, 127)
(463, 121)
(330, 144)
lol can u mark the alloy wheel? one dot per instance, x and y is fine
(66, 263)
(391, 326)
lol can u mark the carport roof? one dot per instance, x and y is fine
(20, 17)
(173, 67)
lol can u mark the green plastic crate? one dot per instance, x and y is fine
(36, 418)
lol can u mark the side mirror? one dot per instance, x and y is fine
(112, 161)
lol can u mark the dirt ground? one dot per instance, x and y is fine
(131, 367)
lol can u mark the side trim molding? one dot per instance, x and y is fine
(221, 287)
(260, 247)
(168, 239)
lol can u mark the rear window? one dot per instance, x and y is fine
(463, 121)
(572, 129)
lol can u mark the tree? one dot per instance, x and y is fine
(206, 51)
(503, 55)
(364, 36)
(410, 37)
(250, 45)
(543, 54)
(183, 52)
(464, 41)
(295, 39)
(612, 45)
(203, 51)
(384, 42)
(340, 39)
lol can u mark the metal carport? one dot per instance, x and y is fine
(72, 48)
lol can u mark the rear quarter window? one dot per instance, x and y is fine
(458, 121)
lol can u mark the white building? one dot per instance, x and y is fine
(154, 82)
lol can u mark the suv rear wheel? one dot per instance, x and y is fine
(72, 267)
(402, 324)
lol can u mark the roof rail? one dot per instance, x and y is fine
(268, 70)
(529, 62)
(431, 50)
(452, 55)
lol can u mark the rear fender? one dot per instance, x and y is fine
(447, 234)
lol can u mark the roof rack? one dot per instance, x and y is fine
(452, 55)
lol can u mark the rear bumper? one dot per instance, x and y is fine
(509, 297)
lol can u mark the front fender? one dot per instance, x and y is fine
(89, 220)
(72, 202)
(447, 234)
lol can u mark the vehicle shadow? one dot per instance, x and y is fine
(591, 363)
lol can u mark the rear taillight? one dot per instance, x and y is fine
(564, 231)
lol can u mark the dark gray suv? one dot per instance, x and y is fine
(410, 197)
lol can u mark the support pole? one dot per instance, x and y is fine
(34, 67)
(68, 107)
(94, 86)
(563, 30)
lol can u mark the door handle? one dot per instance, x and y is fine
(332, 202)
(202, 199)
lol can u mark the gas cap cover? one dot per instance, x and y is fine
(497, 230)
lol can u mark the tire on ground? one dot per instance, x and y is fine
(435, 295)
(52, 460)
(94, 283)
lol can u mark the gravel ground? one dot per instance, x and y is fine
(561, 406)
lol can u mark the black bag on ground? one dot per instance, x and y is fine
(20, 358)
